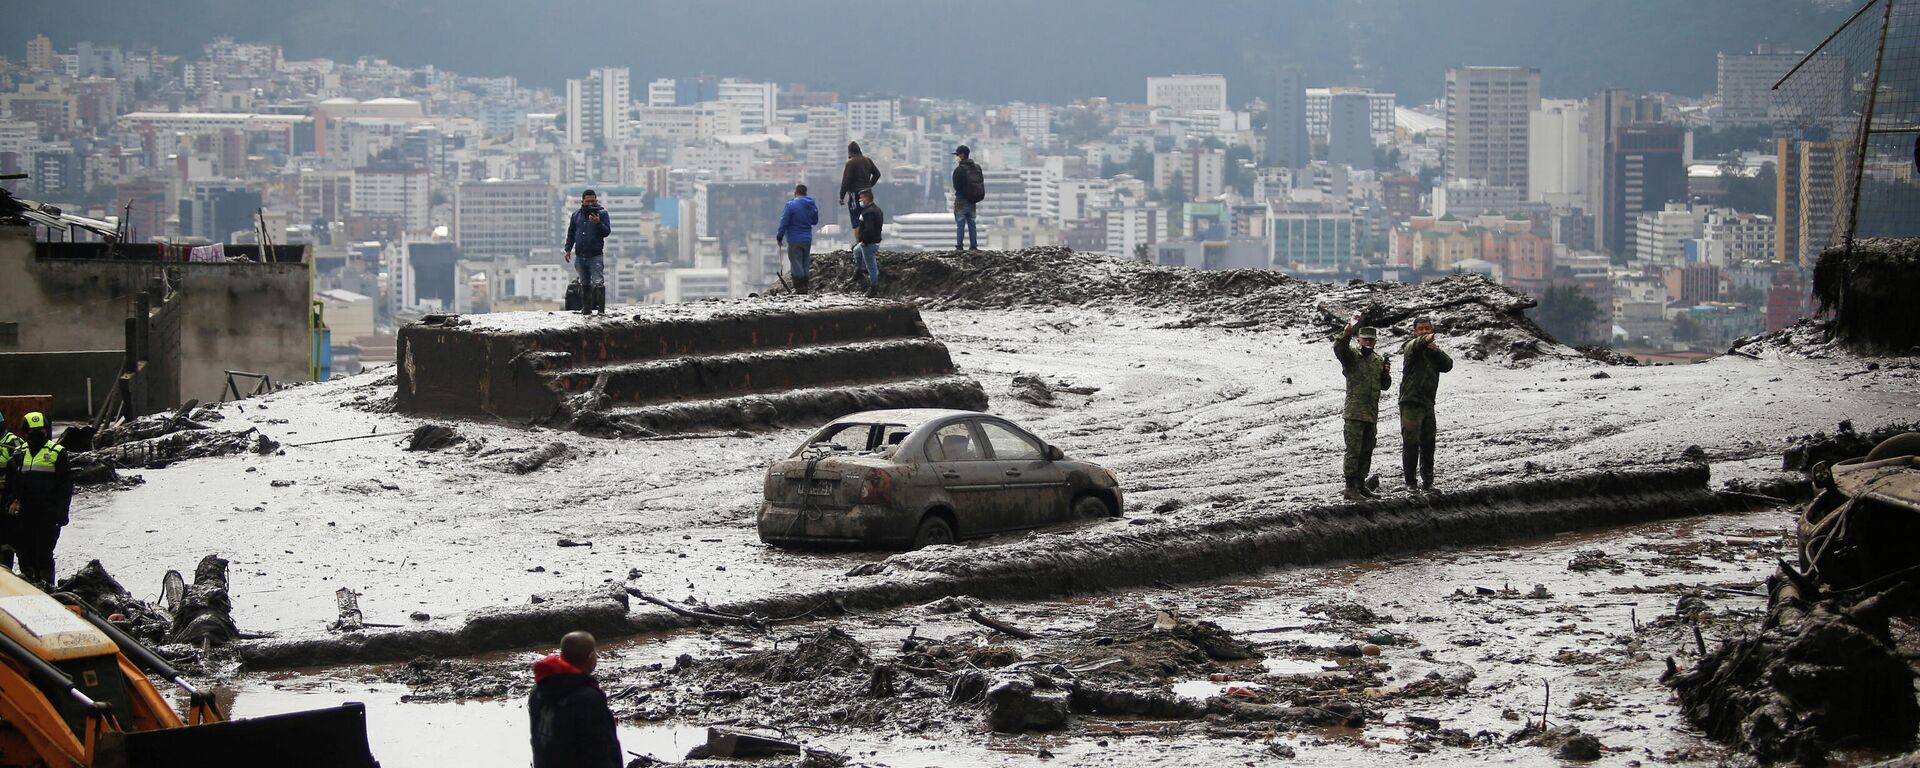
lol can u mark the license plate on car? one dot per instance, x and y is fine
(822, 488)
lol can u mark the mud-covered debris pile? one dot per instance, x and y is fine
(1491, 317)
(1868, 290)
(200, 613)
(1823, 671)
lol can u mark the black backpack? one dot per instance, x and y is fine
(976, 183)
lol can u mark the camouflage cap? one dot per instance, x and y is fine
(1369, 333)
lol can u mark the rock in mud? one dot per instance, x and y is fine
(1031, 389)
(1217, 643)
(534, 460)
(432, 437)
(1014, 705)
(1582, 747)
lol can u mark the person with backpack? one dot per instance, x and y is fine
(969, 188)
(866, 241)
(797, 220)
(859, 174)
(571, 725)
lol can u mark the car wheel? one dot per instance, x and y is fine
(933, 530)
(1090, 507)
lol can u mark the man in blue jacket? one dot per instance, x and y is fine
(797, 220)
(587, 233)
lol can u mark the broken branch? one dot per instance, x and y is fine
(717, 618)
(999, 626)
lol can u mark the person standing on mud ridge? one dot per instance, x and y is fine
(587, 233)
(1368, 376)
(866, 241)
(859, 175)
(38, 496)
(1422, 362)
(969, 188)
(796, 231)
(567, 712)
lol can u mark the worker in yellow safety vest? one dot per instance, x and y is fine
(38, 493)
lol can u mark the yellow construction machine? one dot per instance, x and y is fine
(75, 692)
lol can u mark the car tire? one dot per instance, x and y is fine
(934, 529)
(1090, 506)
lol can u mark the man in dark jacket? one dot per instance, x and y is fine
(969, 188)
(1368, 375)
(866, 241)
(1422, 362)
(38, 495)
(587, 233)
(796, 231)
(572, 726)
(859, 174)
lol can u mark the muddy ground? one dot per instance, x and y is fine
(1201, 421)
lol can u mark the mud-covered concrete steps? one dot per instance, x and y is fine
(730, 364)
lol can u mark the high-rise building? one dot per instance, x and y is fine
(1557, 156)
(758, 103)
(1350, 130)
(505, 218)
(597, 107)
(827, 133)
(1401, 196)
(1746, 82)
(872, 115)
(1807, 196)
(1319, 101)
(216, 211)
(325, 195)
(40, 53)
(1607, 112)
(400, 195)
(1287, 142)
(1202, 173)
(1314, 235)
(1183, 93)
(1488, 114)
(1645, 171)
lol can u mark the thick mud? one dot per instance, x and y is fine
(1093, 561)
(1469, 650)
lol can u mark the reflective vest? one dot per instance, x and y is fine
(11, 444)
(43, 461)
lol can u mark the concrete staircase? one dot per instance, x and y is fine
(666, 368)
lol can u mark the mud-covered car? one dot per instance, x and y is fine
(910, 478)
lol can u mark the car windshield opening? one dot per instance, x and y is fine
(856, 438)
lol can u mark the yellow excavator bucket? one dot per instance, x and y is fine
(74, 691)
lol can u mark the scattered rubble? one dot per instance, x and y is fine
(433, 437)
(196, 614)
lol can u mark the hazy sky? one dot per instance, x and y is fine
(989, 50)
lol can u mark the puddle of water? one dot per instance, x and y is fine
(430, 734)
(1295, 666)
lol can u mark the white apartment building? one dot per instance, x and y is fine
(1489, 110)
(1660, 236)
(1746, 82)
(670, 124)
(1558, 154)
(872, 115)
(927, 231)
(1730, 237)
(684, 285)
(1131, 226)
(505, 218)
(401, 194)
(664, 92)
(827, 133)
(598, 107)
(1033, 121)
(324, 195)
(1202, 172)
(1183, 93)
(758, 103)
(542, 282)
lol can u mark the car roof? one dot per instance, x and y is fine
(911, 417)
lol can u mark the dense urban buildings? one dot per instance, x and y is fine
(421, 190)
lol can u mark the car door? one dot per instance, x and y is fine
(1034, 490)
(968, 474)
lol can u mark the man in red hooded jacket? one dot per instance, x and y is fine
(572, 726)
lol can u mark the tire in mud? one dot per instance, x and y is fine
(934, 529)
(1090, 507)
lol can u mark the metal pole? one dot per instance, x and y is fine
(1866, 127)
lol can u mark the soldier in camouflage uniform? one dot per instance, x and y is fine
(1368, 375)
(1422, 363)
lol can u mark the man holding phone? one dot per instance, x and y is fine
(587, 233)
